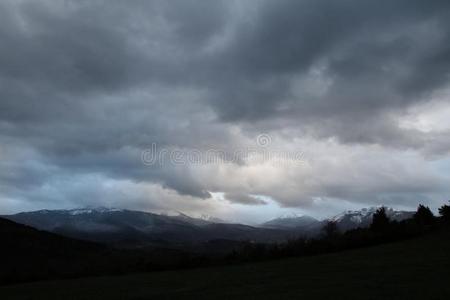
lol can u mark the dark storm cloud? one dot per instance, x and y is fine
(88, 85)
(374, 53)
(58, 58)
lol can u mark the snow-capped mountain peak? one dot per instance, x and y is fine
(355, 215)
(290, 215)
(362, 218)
(81, 211)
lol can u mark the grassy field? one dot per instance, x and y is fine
(414, 269)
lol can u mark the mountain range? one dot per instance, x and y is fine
(128, 228)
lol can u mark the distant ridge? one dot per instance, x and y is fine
(291, 221)
(349, 219)
(128, 228)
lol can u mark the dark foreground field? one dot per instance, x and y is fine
(414, 269)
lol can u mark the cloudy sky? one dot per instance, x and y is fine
(311, 106)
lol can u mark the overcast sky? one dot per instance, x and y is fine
(355, 95)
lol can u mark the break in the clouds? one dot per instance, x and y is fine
(359, 88)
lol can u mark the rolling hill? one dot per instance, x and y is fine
(413, 269)
(28, 254)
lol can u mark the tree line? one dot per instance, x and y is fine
(381, 230)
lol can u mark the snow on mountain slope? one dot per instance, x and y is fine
(363, 218)
(346, 220)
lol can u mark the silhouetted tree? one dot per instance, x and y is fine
(380, 221)
(423, 216)
(330, 229)
(444, 211)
